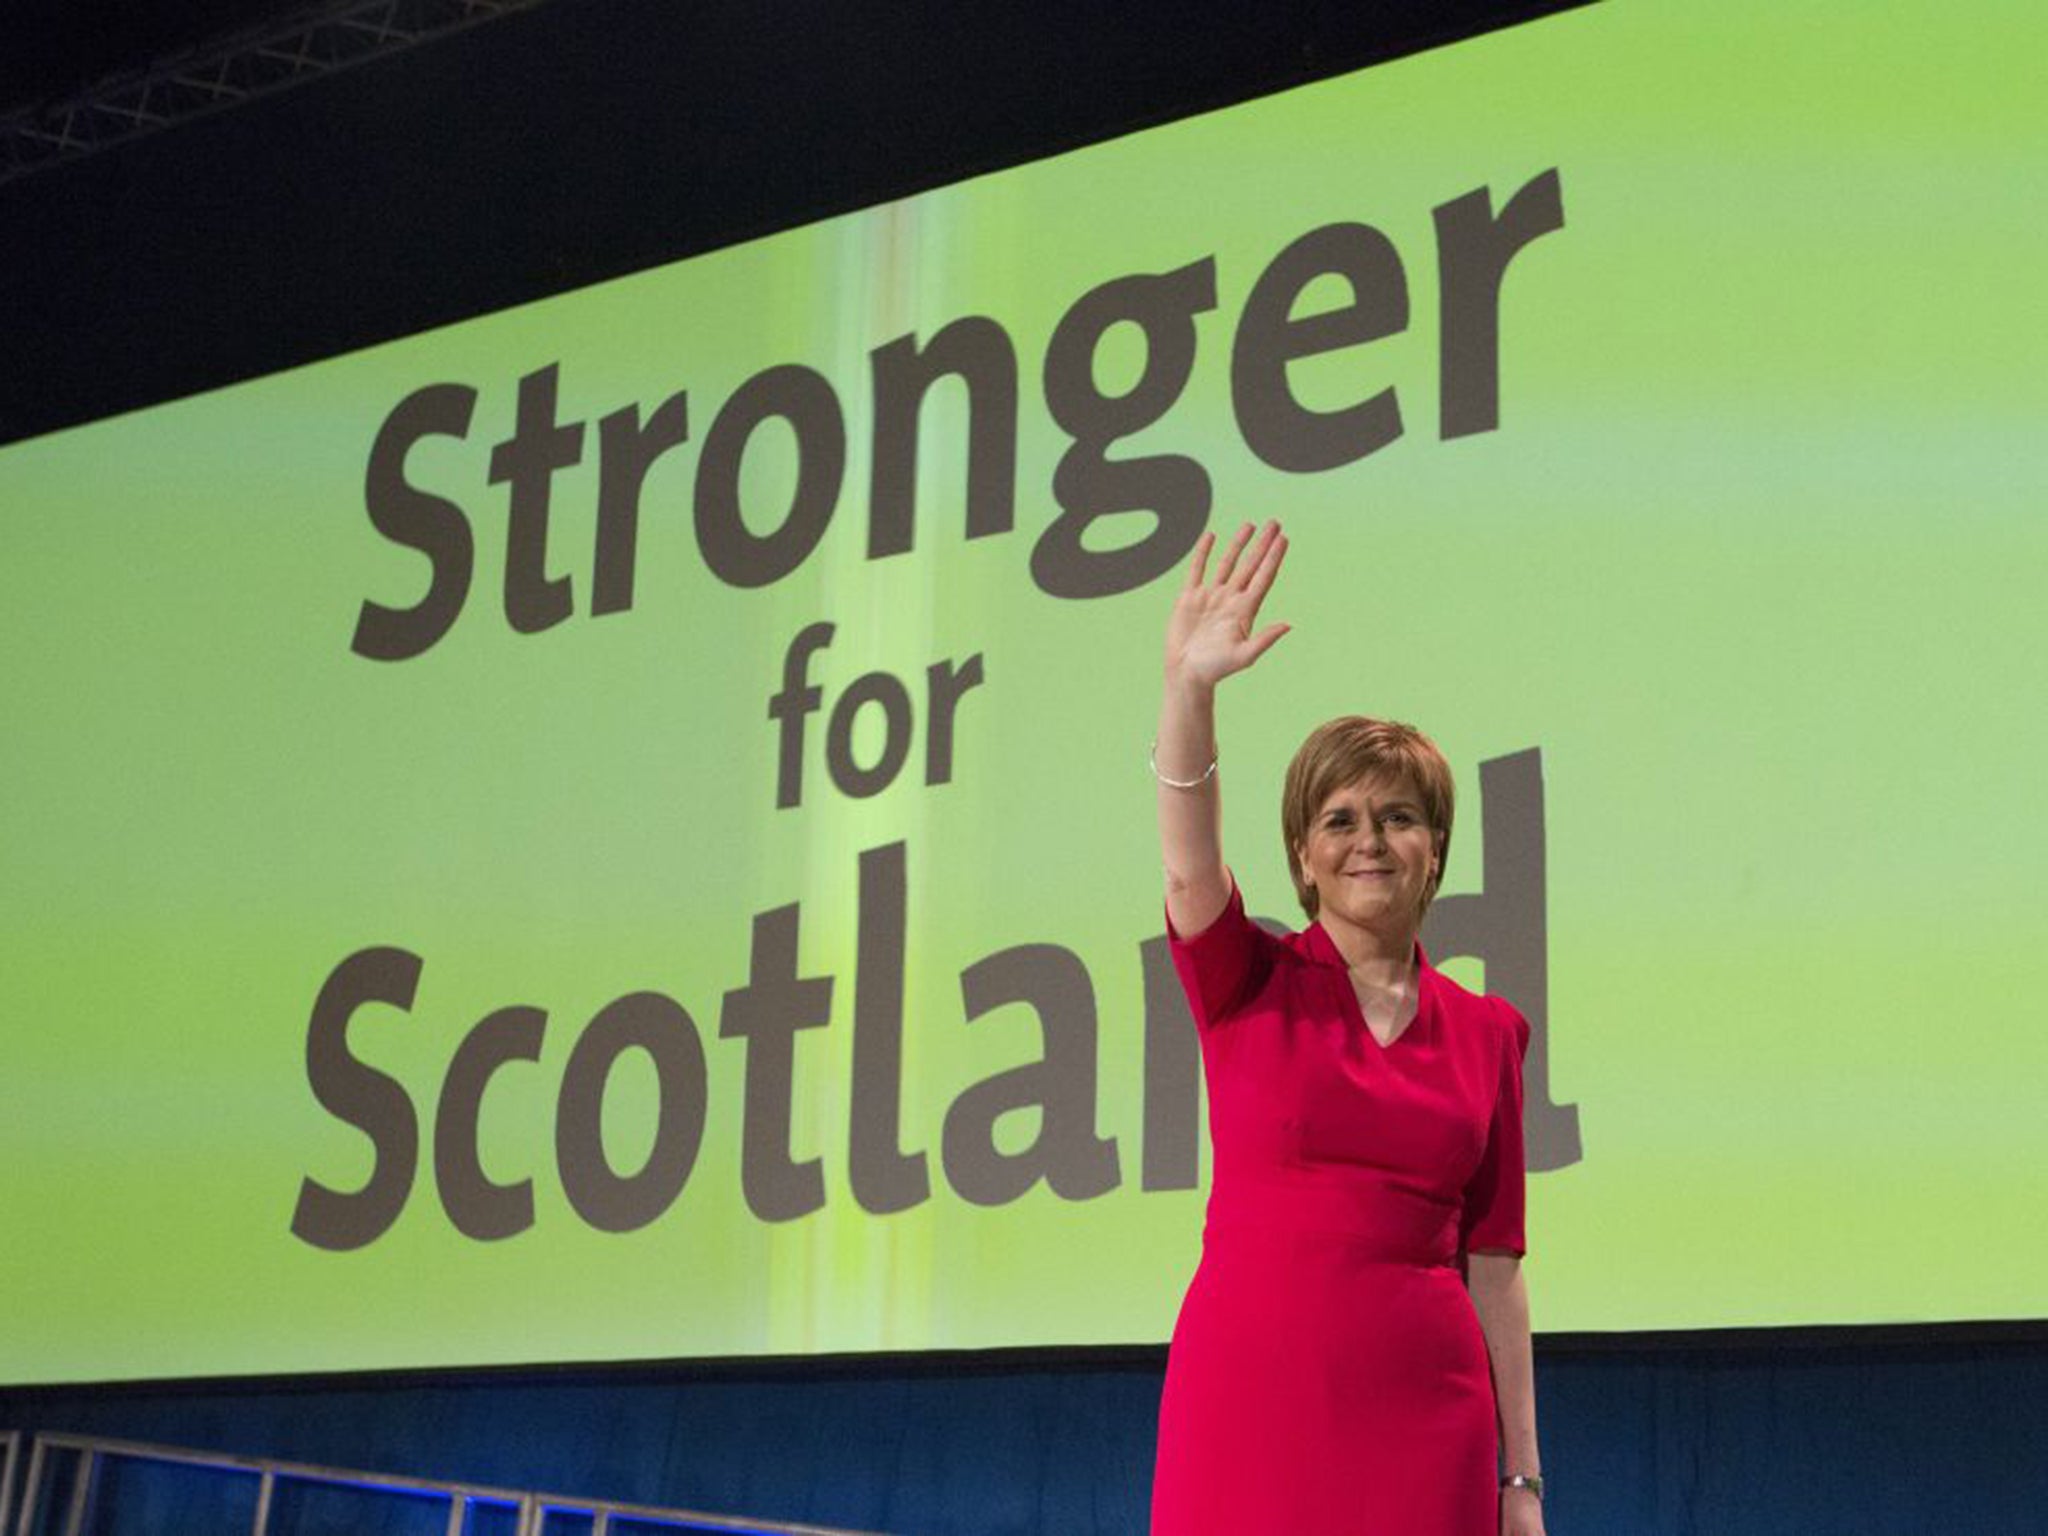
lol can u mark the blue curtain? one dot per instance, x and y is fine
(1876, 1439)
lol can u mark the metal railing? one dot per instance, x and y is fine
(10, 1444)
(88, 1455)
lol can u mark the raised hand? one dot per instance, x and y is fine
(1210, 634)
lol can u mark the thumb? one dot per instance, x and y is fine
(1267, 638)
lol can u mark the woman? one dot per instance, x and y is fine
(1353, 1353)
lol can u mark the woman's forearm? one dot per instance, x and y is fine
(1191, 810)
(1500, 1295)
(1209, 636)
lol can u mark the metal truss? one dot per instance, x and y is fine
(228, 73)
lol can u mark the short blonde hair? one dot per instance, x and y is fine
(1354, 747)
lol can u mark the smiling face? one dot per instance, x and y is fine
(1375, 763)
(1371, 856)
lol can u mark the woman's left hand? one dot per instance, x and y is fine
(1521, 1513)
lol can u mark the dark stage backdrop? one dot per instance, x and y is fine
(1866, 1438)
(583, 140)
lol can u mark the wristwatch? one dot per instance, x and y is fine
(1533, 1481)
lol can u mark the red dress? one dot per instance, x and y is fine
(1328, 1376)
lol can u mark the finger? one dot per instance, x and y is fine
(1203, 545)
(1248, 567)
(1268, 567)
(1237, 543)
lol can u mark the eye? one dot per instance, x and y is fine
(1399, 818)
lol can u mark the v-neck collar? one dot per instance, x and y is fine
(1319, 947)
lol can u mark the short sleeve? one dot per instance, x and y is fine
(1493, 1203)
(1222, 967)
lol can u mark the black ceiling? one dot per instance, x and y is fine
(576, 141)
(50, 49)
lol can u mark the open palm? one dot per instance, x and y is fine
(1212, 633)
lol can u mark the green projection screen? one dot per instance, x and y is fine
(621, 829)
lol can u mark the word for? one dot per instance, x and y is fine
(945, 683)
(1474, 245)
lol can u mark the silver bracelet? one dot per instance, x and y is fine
(1533, 1481)
(1152, 757)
